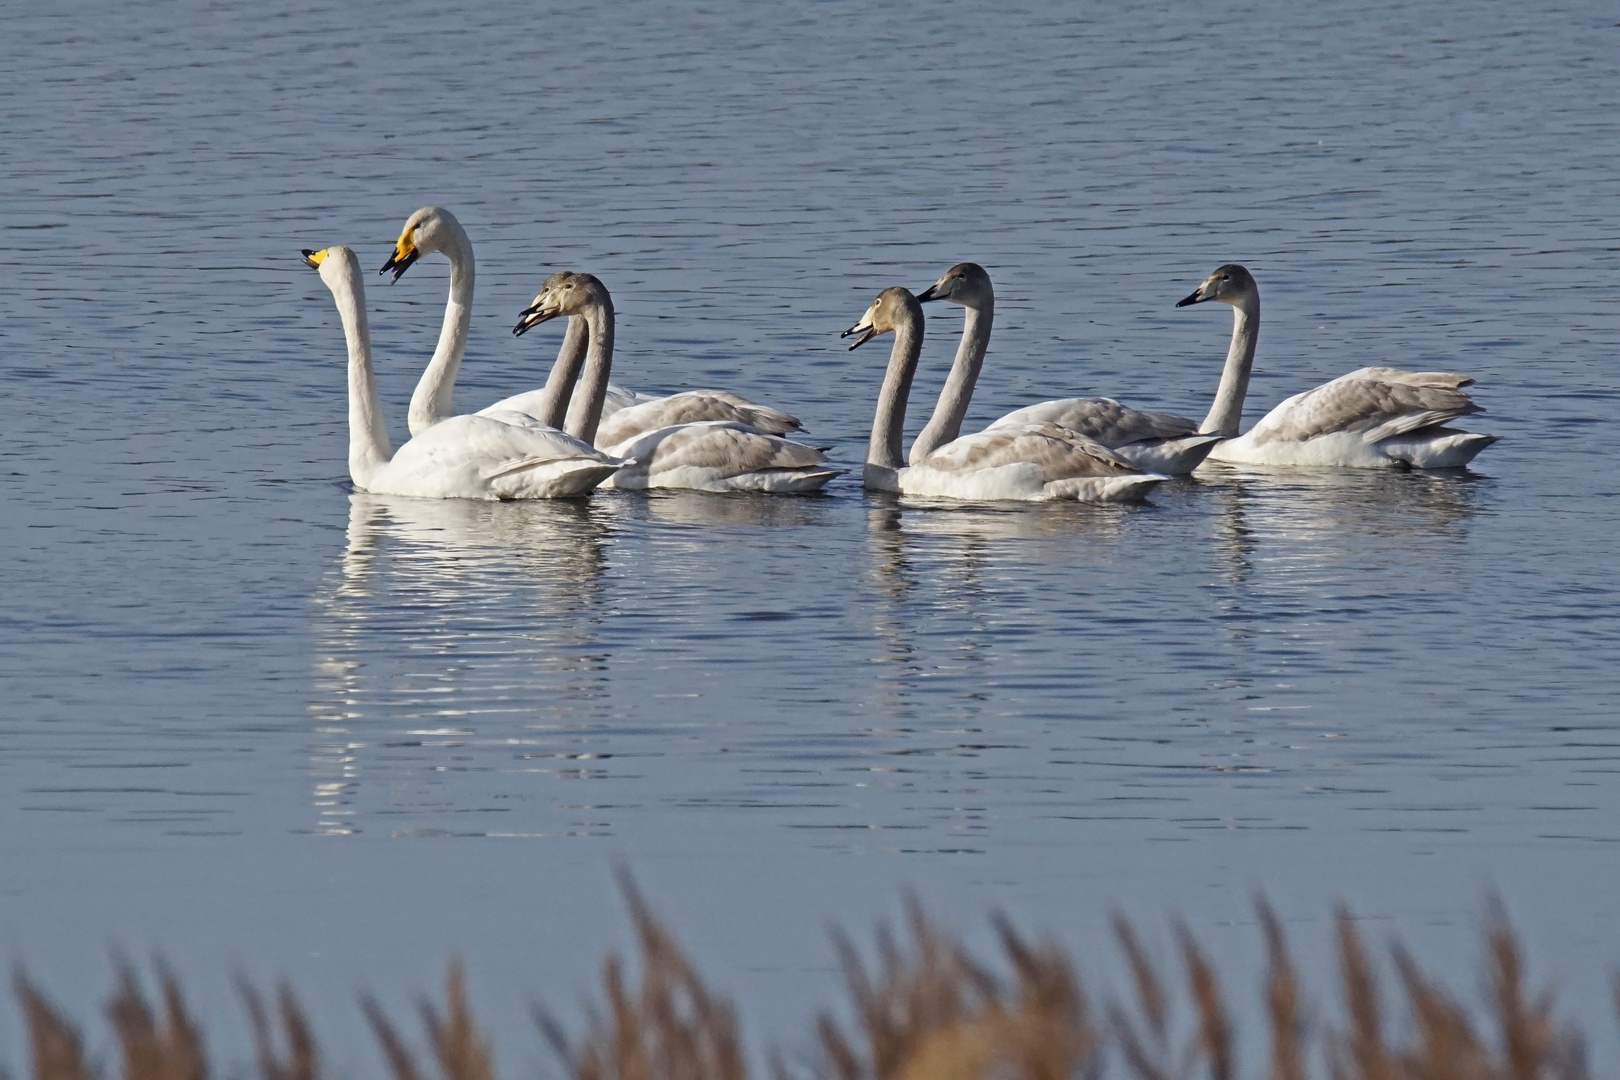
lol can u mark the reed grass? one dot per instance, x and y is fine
(919, 1007)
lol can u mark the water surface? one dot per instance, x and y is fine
(251, 717)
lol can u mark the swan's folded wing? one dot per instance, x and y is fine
(619, 397)
(491, 444)
(528, 404)
(1376, 402)
(1059, 452)
(1102, 419)
(692, 406)
(729, 448)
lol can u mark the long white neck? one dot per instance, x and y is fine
(1226, 414)
(888, 424)
(585, 411)
(369, 449)
(564, 371)
(957, 394)
(432, 400)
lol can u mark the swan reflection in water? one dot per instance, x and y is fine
(945, 566)
(1313, 562)
(452, 621)
(712, 508)
(1340, 512)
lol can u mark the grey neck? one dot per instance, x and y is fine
(564, 371)
(586, 411)
(432, 400)
(1226, 414)
(957, 395)
(888, 425)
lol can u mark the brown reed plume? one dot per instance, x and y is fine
(166, 1047)
(54, 1049)
(930, 1012)
(1146, 1040)
(460, 1048)
(670, 1026)
(300, 1059)
(923, 1009)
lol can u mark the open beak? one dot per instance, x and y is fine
(404, 255)
(314, 258)
(1197, 296)
(863, 328)
(532, 316)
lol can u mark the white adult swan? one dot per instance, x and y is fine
(1152, 441)
(461, 457)
(433, 228)
(1373, 417)
(708, 455)
(1036, 462)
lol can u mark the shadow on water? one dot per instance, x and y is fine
(445, 617)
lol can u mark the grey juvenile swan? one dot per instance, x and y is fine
(1035, 462)
(1153, 441)
(702, 455)
(1374, 417)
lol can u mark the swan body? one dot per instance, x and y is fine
(1034, 463)
(1370, 418)
(724, 454)
(718, 455)
(1152, 441)
(510, 456)
(689, 407)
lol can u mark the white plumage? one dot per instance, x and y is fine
(506, 456)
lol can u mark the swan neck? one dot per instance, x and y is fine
(369, 449)
(1226, 414)
(888, 425)
(585, 413)
(957, 394)
(432, 400)
(564, 373)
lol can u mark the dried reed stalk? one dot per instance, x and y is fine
(924, 1009)
(54, 1048)
(669, 1027)
(301, 1059)
(929, 1012)
(460, 1048)
(169, 1047)
(1283, 1006)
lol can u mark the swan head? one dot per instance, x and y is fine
(1229, 284)
(965, 283)
(339, 266)
(563, 293)
(893, 308)
(430, 229)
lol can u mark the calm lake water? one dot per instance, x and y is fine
(249, 718)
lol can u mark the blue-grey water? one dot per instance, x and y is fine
(252, 720)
